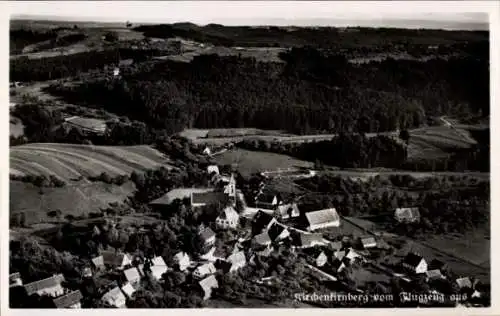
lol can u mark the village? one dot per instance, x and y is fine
(263, 225)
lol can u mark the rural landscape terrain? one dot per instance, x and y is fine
(188, 166)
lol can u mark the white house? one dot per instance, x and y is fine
(321, 259)
(415, 263)
(49, 286)
(286, 211)
(132, 276)
(207, 285)
(204, 270)
(182, 260)
(207, 151)
(128, 290)
(229, 218)
(237, 261)
(213, 168)
(368, 242)
(323, 219)
(407, 215)
(115, 298)
(158, 267)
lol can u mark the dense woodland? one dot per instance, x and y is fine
(311, 93)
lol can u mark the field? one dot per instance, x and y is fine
(249, 162)
(70, 200)
(263, 54)
(70, 162)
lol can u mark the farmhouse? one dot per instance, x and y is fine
(311, 240)
(207, 285)
(182, 260)
(351, 254)
(339, 255)
(267, 200)
(229, 218)
(368, 242)
(464, 283)
(115, 259)
(158, 267)
(407, 215)
(414, 263)
(204, 270)
(15, 279)
(70, 300)
(207, 235)
(204, 198)
(286, 211)
(180, 193)
(278, 232)
(262, 239)
(128, 290)
(86, 125)
(132, 276)
(114, 298)
(49, 286)
(323, 219)
(237, 261)
(213, 169)
(433, 275)
(262, 222)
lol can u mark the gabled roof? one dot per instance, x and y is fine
(368, 241)
(464, 282)
(237, 258)
(98, 261)
(208, 283)
(285, 209)
(132, 274)
(113, 295)
(436, 264)
(36, 286)
(309, 239)
(14, 276)
(208, 197)
(351, 254)
(261, 220)
(206, 233)
(408, 213)
(113, 258)
(128, 289)
(336, 245)
(229, 213)
(275, 230)
(181, 256)
(322, 216)
(158, 261)
(262, 239)
(68, 300)
(207, 268)
(412, 259)
(434, 274)
(266, 197)
(339, 254)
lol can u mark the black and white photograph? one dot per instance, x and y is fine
(249, 154)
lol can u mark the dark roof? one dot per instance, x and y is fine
(36, 286)
(68, 300)
(275, 230)
(266, 197)
(112, 258)
(412, 259)
(261, 220)
(436, 264)
(125, 62)
(206, 233)
(208, 197)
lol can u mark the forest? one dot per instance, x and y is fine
(311, 93)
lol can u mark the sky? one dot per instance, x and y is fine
(335, 13)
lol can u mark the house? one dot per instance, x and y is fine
(278, 232)
(287, 211)
(311, 240)
(116, 72)
(230, 188)
(415, 263)
(113, 259)
(207, 151)
(336, 245)
(182, 260)
(132, 276)
(351, 255)
(115, 298)
(128, 290)
(464, 283)
(338, 265)
(213, 169)
(207, 285)
(339, 255)
(267, 200)
(436, 264)
(86, 125)
(262, 239)
(368, 242)
(172, 195)
(158, 267)
(321, 259)
(199, 199)
(49, 286)
(323, 219)
(407, 215)
(237, 261)
(87, 272)
(207, 235)
(433, 275)
(70, 300)
(262, 222)
(204, 270)
(266, 252)
(229, 218)
(15, 279)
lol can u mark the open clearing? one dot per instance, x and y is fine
(70, 200)
(249, 162)
(70, 162)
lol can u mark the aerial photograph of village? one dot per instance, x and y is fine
(247, 162)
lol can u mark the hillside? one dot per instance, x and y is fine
(69, 162)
